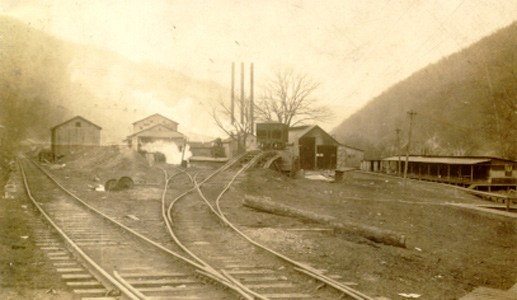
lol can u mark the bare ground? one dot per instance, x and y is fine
(450, 249)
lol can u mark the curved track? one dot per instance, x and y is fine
(119, 257)
(200, 225)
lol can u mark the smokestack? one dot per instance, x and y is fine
(233, 93)
(251, 100)
(242, 93)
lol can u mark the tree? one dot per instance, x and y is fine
(288, 99)
(240, 128)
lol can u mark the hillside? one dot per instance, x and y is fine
(45, 80)
(466, 104)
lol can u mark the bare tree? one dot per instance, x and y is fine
(288, 99)
(238, 130)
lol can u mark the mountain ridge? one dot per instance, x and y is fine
(464, 105)
(47, 80)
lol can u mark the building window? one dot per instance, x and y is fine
(77, 124)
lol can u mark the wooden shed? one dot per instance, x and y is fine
(315, 148)
(73, 135)
(478, 172)
(349, 157)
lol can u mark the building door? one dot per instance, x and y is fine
(307, 153)
(326, 157)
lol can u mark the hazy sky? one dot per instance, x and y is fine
(355, 49)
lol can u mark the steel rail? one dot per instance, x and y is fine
(167, 216)
(128, 286)
(309, 270)
(106, 276)
(204, 268)
(137, 234)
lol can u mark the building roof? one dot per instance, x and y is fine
(148, 117)
(450, 160)
(295, 133)
(169, 133)
(354, 148)
(73, 119)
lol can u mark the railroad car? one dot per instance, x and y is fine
(272, 135)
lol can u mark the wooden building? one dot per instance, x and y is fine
(479, 172)
(349, 157)
(371, 165)
(153, 129)
(73, 135)
(154, 120)
(315, 148)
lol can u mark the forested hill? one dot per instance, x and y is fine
(466, 104)
(45, 80)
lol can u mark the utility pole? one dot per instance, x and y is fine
(411, 114)
(398, 150)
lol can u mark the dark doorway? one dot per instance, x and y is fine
(326, 157)
(307, 153)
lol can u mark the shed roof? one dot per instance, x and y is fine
(354, 148)
(295, 133)
(73, 119)
(450, 160)
(154, 115)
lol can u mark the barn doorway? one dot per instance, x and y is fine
(307, 152)
(326, 157)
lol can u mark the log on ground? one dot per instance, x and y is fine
(378, 235)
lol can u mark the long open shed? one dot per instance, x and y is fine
(474, 171)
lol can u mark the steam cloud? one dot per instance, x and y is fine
(170, 150)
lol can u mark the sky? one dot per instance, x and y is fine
(354, 49)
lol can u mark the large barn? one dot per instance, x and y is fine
(152, 129)
(315, 148)
(73, 135)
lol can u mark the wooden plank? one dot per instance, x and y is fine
(64, 264)
(149, 275)
(287, 296)
(102, 291)
(76, 276)
(283, 285)
(83, 283)
(69, 270)
(59, 257)
(57, 253)
(137, 282)
(250, 272)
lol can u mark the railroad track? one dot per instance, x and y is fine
(109, 259)
(197, 222)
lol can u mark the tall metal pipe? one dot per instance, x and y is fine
(252, 106)
(233, 94)
(242, 93)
